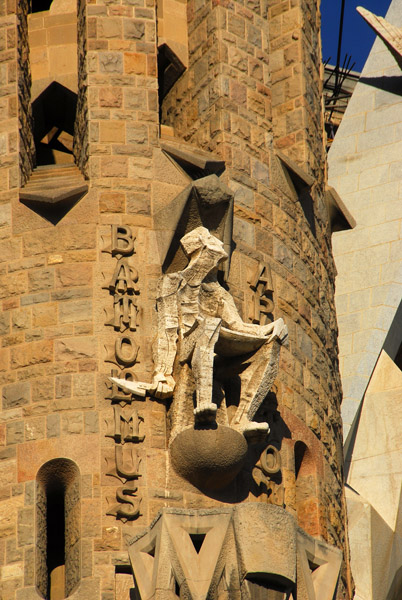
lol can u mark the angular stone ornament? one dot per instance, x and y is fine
(52, 191)
(231, 550)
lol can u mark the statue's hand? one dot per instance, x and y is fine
(162, 386)
(277, 329)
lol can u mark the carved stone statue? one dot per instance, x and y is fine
(198, 322)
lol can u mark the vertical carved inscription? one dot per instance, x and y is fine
(260, 304)
(127, 427)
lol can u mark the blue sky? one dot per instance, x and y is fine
(358, 37)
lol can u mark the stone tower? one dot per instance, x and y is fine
(170, 421)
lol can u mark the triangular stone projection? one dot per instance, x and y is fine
(53, 190)
(320, 565)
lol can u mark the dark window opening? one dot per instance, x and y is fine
(307, 204)
(53, 113)
(269, 587)
(40, 5)
(300, 183)
(170, 68)
(58, 529)
(300, 450)
(55, 525)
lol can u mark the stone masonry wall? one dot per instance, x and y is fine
(223, 104)
(57, 345)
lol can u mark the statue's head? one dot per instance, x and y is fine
(199, 240)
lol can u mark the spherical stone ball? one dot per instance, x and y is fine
(208, 457)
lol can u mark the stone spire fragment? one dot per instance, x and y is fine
(390, 35)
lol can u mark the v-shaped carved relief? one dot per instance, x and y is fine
(320, 565)
(167, 549)
(144, 556)
(198, 568)
(251, 542)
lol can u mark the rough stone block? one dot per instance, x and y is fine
(75, 349)
(111, 97)
(32, 354)
(113, 202)
(53, 426)
(44, 315)
(135, 63)
(84, 384)
(21, 319)
(112, 131)
(15, 432)
(75, 311)
(16, 394)
(26, 532)
(4, 323)
(63, 386)
(134, 29)
(35, 298)
(72, 423)
(110, 62)
(91, 421)
(42, 389)
(73, 275)
(111, 27)
(114, 166)
(34, 429)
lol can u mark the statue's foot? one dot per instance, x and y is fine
(255, 432)
(205, 413)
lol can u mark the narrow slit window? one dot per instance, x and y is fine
(57, 525)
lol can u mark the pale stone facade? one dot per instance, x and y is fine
(196, 130)
(365, 169)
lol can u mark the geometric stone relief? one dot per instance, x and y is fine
(170, 68)
(299, 185)
(200, 554)
(195, 162)
(340, 218)
(320, 566)
(207, 202)
(202, 344)
(241, 552)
